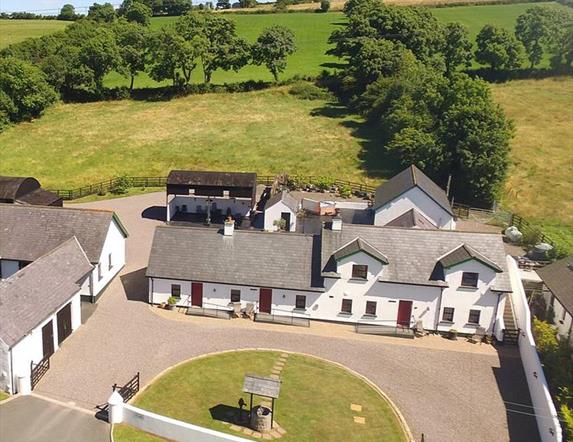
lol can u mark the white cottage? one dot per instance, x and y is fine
(351, 273)
(39, 309)
(29, 232)
(558, 293)
(411, 199)
(281, 206)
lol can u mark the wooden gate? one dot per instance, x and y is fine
(128, 390)
(37, 371)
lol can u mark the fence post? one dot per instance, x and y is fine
(115, 402)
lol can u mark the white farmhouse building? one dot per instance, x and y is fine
(352, 273)
(411, 199)
(280, 206)
(39, 309)
(558, 280)
(29, 232)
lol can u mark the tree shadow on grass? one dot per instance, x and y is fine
(376, 160)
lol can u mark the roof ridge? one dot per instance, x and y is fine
(253, 231)
(413, 170)
(79, 209)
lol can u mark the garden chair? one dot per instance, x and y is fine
(237, 310)
(478, 336)
(419, 330)
(250, 311)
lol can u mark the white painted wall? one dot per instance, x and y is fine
(170, 428)
(545, 412)
(8, 268)
(563, 321)
(241, 206)
(464, 299)
(5, 368)
(30, 348)
(115, 245)
(274, 212)
(414, 199)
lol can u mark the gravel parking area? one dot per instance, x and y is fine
(444, 393)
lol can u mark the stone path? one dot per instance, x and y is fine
(444, 393)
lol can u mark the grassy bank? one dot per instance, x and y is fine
(14, 31)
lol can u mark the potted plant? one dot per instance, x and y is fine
(453, 334)
(171, 302)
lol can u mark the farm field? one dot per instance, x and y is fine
(14, 31)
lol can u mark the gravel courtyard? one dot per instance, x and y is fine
(446, 392)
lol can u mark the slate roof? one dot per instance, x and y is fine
(412, 219)
(287, 199)
(40, 197)
(359, 245)
(406, 180)
(28, 232)
(558, 277)
(464, 253)
(413, 253)
(222, 179)
(32, 294)
(253, 258)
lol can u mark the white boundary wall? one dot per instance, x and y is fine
(172, 429)
(545, 412)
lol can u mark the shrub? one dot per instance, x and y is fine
(567, 421)
(344, 191)
(172, 300)
(280, 223)
(323, 183)
(324, 5)
(120, 185)
(308, 91)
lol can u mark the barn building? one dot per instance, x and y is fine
(26, 191)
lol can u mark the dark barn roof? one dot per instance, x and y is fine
(248, 257)
(211, 179)
(558, 277)
(34, 293)
(26, 190)
(29, 232)
(406, 180)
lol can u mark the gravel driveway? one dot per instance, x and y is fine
(445, 395)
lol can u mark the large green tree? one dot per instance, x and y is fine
(172, 54)
(68, 13)
(498, 48)
(139, 13)
(100, 54)
(272, 48)
(102, 12)
(216, 39)
(133, 41)
(24, 91)
(457, 48)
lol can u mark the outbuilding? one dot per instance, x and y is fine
(39, 310)
(280, 212)
(26, 191)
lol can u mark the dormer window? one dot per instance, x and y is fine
(470, 279)
(359, 271)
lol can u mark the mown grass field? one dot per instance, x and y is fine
(202, 391)
(14, 31)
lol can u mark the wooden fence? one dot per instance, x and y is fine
(531, 233)
(114, 184)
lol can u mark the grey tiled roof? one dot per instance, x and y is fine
(285, 197)
(404, 181)
(359, 245)
(200, 178)
(28, 232)
(412, 218)
(464, 253)
(260, 259)
(413, 253)
(32, 294)
(558, 277)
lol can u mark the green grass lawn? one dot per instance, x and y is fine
(267, 132)
(314, 402)
(126, 433)
(3, 396)
(14, 31)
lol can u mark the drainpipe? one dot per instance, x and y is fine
(439, 309)
(495, 313)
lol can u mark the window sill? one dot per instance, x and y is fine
(345, 314)
(358, 279)
(367, 316)
(299, 310)
(467, 287)
(442, 322)
(472, 324)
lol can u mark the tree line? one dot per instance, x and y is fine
(73, 63)
(404, 72)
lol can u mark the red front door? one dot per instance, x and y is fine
(265, 300)
(197, 294)
(404, 313)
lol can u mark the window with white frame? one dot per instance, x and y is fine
(470, 279)
(370, 308)
(360, 271)
(176, 290)
(235, 295)
(300, 302)
(346, 307)
(474, 317)
(448, 314)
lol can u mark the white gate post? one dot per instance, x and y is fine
(115, 402)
